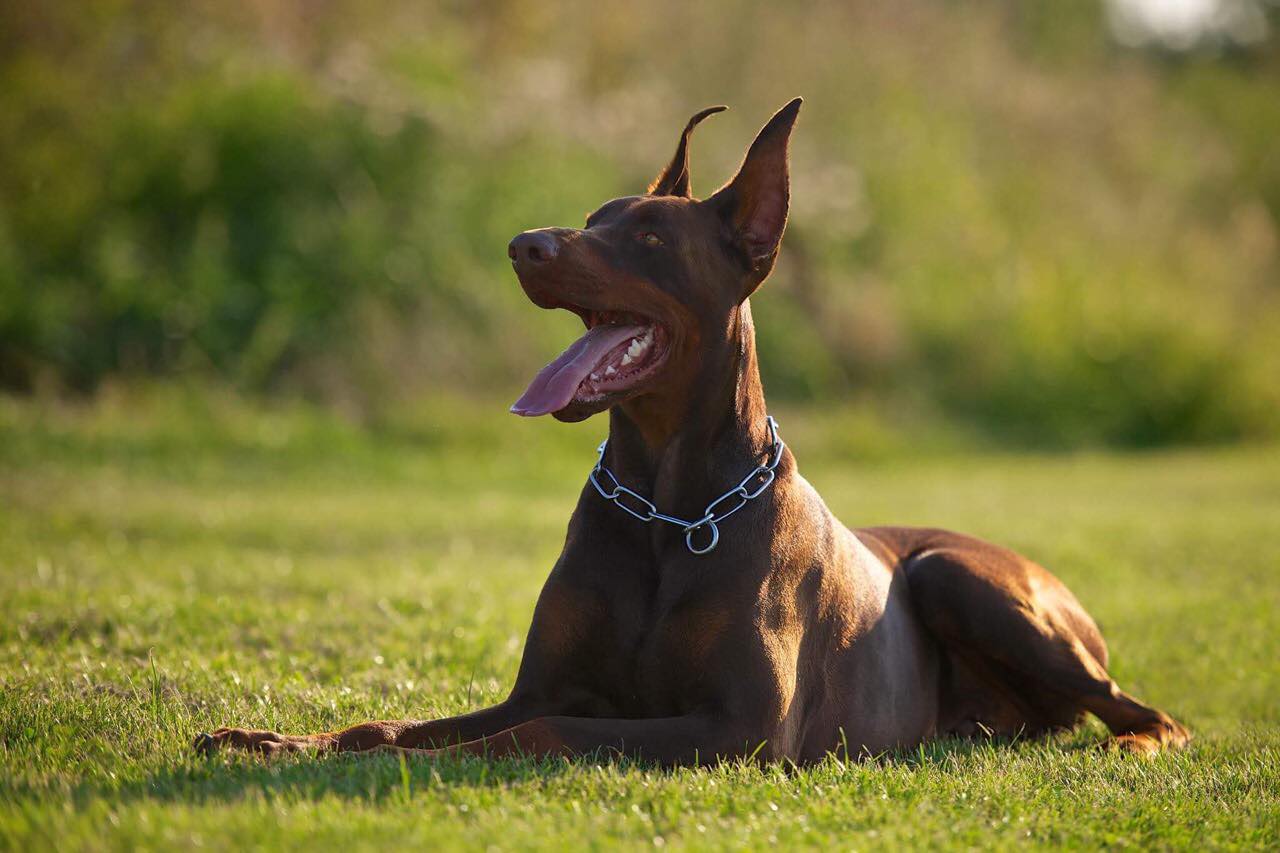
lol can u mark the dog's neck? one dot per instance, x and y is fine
(689, 446)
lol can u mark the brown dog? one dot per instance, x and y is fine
(720, 616)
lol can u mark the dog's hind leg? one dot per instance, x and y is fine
(1019, 632)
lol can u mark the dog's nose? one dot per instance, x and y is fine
(533, 248)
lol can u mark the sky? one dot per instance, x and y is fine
(1182, 24)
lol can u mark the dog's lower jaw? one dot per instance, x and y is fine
(586, 403)
(576, 411)
(579, 409)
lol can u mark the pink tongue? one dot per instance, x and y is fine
(554, 386)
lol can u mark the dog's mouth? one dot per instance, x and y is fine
(618, 353)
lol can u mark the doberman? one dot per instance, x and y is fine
(696, 615)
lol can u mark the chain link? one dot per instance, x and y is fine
(640, 507)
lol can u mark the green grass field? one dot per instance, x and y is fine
(171, 564)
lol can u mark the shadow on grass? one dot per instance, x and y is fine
(389, 779)
(377, 779)
(947, 753)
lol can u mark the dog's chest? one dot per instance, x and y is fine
(663, 645)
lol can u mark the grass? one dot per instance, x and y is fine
(172, 563)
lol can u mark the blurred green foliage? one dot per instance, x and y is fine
(237, 224)
(1002, 218)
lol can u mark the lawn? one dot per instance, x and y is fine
(170, 563)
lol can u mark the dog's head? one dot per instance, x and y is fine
(656, 278)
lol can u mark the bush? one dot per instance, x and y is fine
(238, 229)
(997, 221)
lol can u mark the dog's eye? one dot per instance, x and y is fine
(649, 239)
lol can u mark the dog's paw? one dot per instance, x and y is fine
(1164, 733)
(248, 740)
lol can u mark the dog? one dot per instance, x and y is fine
(707, 606)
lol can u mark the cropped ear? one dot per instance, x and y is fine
(755, 202)
(674, 179)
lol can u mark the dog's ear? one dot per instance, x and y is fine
(674, 179)
(755, 202)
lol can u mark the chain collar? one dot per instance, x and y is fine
(751, 487)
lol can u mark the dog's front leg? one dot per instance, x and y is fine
(408, 734)
(696, 739)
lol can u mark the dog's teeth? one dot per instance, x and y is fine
(610, 370)
(626, 358)
(595, 377)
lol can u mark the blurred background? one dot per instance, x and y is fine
(1052, 224)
